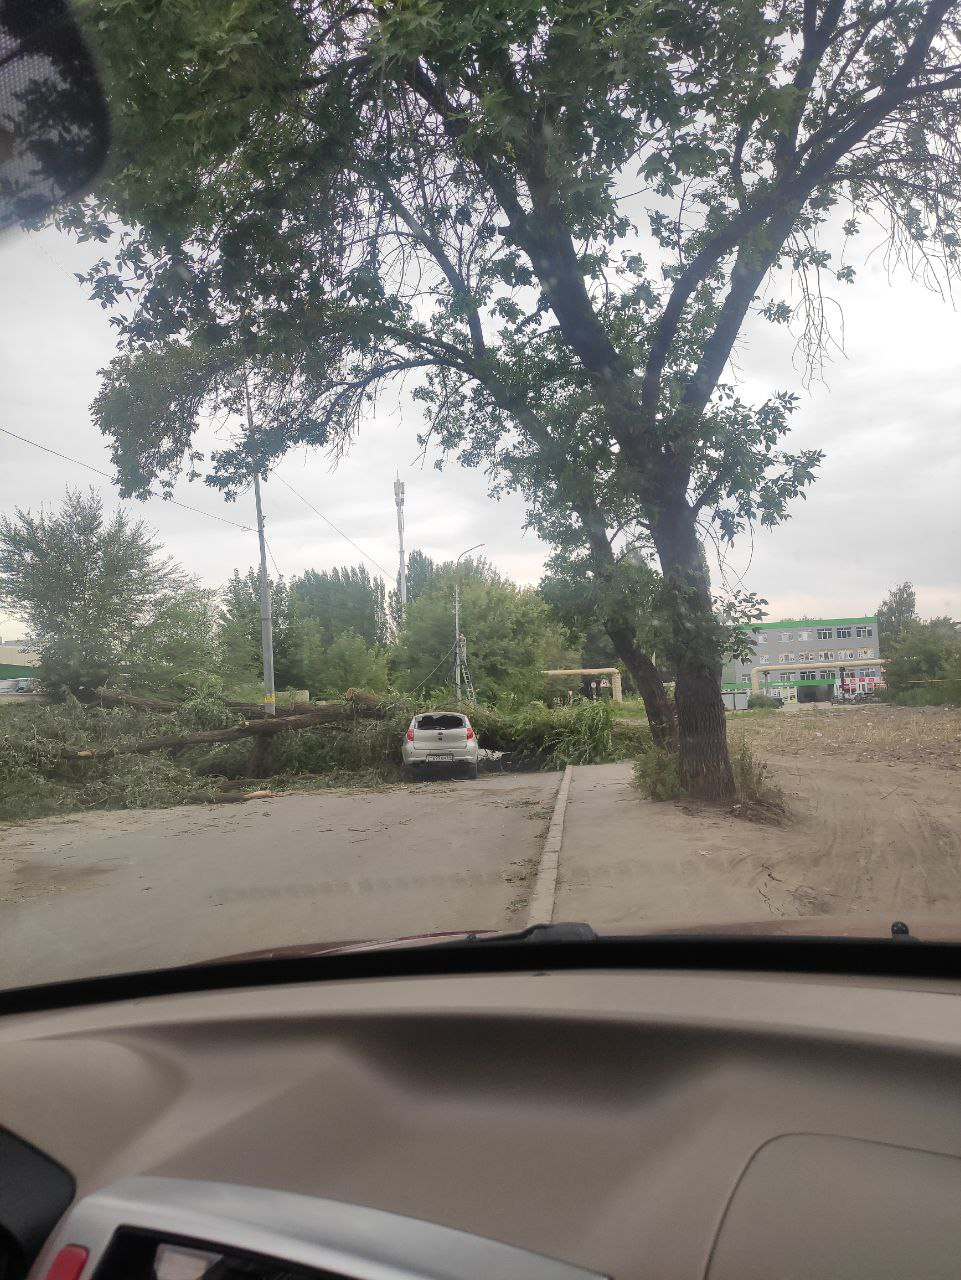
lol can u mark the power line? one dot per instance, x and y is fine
(271, 554)
(437, 668)
(386, 572)
(96, 470)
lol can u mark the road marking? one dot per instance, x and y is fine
(541, 908)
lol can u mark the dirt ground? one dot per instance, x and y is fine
(873, 828)
(866, 733)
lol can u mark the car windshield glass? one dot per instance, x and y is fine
(467, 466)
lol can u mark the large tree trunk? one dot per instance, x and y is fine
(623, 633)
(703, 760)
(657, 704)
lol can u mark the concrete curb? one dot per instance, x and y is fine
(541, 907)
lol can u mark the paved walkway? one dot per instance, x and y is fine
(109, 892)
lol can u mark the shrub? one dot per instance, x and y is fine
(656, 776)
(762, 702)
(940, 693)
(752, 777)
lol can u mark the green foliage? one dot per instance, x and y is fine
(511, 635)
(924, 666)
(328, 671)
(895, 614)
(329, 632)
(238, 632)
(35, 781)
(762, 702)
(752, 778)
(143, 782)
(100, 600)
(656, 775)
(341, 601)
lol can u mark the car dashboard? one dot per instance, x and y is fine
(536, 1123)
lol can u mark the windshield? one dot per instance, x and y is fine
(472, 467)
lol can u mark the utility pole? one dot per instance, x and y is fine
(459, 641)
(457, 638)
(402, 576)
(266, 617)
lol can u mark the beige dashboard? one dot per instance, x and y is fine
(653, 1124)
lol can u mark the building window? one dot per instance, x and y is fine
(826, 675)
(804, 635)
(864, 631)
(872, 672)
(864, 653)
(825, 633)
(826, 655)
(787, 635)
(764, 657)
(844, 633)
(785, 657)
(844, 654)
(790, 677)
(809, 675)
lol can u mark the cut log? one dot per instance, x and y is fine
(230, 797)
(354, 703)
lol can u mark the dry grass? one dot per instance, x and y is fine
(927, 735)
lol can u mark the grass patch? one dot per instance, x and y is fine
(759, 797)
(630, 709)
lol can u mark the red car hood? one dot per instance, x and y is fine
(923, 928)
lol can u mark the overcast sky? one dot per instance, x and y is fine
(886, 506)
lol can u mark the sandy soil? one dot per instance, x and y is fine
(873, 828)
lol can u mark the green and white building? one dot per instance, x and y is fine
(808, 660)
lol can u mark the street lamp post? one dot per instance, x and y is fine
(457, 634)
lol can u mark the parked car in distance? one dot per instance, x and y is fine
(20, 684)
(440, 739)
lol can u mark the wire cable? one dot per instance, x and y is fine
(437, 668)
(272, 558)
(96, 470)
(388, 574)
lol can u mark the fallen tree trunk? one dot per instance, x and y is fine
(331, 713)
(117, 698)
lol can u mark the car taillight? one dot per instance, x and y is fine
(410, 735)
(470, 733)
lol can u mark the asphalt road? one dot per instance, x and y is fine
(112, 892)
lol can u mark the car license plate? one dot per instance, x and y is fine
(440, 757)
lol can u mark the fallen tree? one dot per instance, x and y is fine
(354, 703)
(117, 698)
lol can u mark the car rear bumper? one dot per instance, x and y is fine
(423, 759)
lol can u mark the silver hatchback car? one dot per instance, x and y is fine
(440, 738)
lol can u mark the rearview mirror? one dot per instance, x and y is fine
(54, 125)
